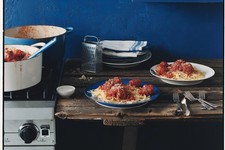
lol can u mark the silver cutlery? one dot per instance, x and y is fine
(205, 104)
(187, 111)
(202, 97)
(179, 110)
(189, 96)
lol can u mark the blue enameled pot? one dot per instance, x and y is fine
(31, 34)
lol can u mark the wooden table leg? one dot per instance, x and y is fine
(130, 138)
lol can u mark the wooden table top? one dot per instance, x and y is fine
(79, 107)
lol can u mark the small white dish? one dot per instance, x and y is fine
(65, 90)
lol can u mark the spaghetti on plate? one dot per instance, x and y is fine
(179, 70)
(115, 91)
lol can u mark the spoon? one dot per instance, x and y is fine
(51, 42)
(184, 102)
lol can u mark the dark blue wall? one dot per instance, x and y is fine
(185, 30)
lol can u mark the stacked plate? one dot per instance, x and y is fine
(123, 55)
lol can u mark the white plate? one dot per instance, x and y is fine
(135, 62)
(128, 54)
(209, 72)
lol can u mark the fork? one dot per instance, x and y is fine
(188, 95)
(205, 104)
(202, 97)
(176, 99)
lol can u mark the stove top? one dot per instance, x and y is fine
(36, 102)
(29, 120)
(43, 91)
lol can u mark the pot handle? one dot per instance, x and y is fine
(69, 30)
(51, 42)
(91, 37)
(40, 44)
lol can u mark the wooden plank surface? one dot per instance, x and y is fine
(79, 107)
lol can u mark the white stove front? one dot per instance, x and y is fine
(29, 110)
(29, 125)
(30, 148)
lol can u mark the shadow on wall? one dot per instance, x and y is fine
(160, 53)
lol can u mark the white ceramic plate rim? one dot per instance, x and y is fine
(148, 56)
(209, 72)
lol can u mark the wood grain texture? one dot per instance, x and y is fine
(79, 107)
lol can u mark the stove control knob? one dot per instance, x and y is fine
(28, 132)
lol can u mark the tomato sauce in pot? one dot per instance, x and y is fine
(12, 55)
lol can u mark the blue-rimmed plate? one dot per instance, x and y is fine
(120, 105)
